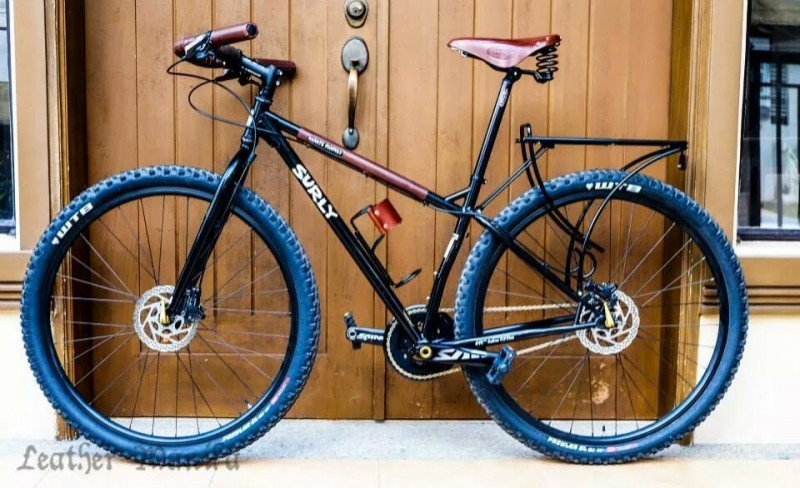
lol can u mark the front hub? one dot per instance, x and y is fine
(154, 328)
(618, 322)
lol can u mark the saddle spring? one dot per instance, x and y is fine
(546, 64)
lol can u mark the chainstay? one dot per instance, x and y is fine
(527, 350)
(521, 308)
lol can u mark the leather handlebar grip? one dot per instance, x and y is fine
(222, 37)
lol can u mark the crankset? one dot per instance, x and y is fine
(400, 348)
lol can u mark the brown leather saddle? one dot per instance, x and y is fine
(504, 53)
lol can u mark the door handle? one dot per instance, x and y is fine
(355, 57)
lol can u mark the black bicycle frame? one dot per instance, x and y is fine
(274, 130)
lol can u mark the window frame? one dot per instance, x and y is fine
(32, 151)
(10, 242)
(748, 233)
(715, 81)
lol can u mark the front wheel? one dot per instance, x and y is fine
(158, 389)
(677, 307)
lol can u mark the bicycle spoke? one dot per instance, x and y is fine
(151, 272)
(232, 294)
(130, 388)
(646, 256)
(95, 285)
(237, 273)
(147, 238)
(252, 312)
(161, 235)
(229, 367)
(108, 266)
(114, 381)
(194, 385)
(103, 361)
(155, 393)
(569, 388)
(629, 249)
(538, 368)
(628, 389)
(226, 396)
(244, 332)
(121, 334)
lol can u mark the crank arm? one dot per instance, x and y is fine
(361, 335)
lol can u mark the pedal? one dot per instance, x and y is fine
(361, 335)
(501, 365)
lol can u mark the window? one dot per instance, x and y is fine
(7, 198)
(769, 187)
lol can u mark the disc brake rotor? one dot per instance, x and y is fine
(149, 317)
(614, 340)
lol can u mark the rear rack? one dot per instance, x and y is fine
(531, 155)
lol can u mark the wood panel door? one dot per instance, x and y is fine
(613, 81)
(139, 116)
(422, 111)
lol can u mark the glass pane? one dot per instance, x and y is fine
(769, 189)
(7, 223)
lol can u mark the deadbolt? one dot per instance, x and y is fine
(355, 11)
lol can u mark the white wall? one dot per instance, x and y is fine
(761, 404)
(24, 411)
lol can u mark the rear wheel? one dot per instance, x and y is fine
(678, 302)
(152, 388)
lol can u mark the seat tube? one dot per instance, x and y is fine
(489, 139)
(476, 181)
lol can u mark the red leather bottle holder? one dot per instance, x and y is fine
(384, 216)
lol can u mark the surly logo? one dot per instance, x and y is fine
(610, 185)
(325, 146)
(455, 355)
(301, 173)
(72, 220)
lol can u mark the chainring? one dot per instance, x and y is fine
(399, 346)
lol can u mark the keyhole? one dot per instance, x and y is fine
(356, 9)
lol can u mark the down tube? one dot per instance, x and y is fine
(346, 237)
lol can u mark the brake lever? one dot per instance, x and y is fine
(244, 79)
(199, 50)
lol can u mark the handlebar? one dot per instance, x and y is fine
(224, 56)
(221, 37)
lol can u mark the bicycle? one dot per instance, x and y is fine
(597, 278)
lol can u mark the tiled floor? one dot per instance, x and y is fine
(409, 473)
(401, 454)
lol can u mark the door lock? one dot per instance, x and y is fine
(355, 11)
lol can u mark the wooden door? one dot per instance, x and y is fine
(613, 81)
(422, 111)
(139, 116)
